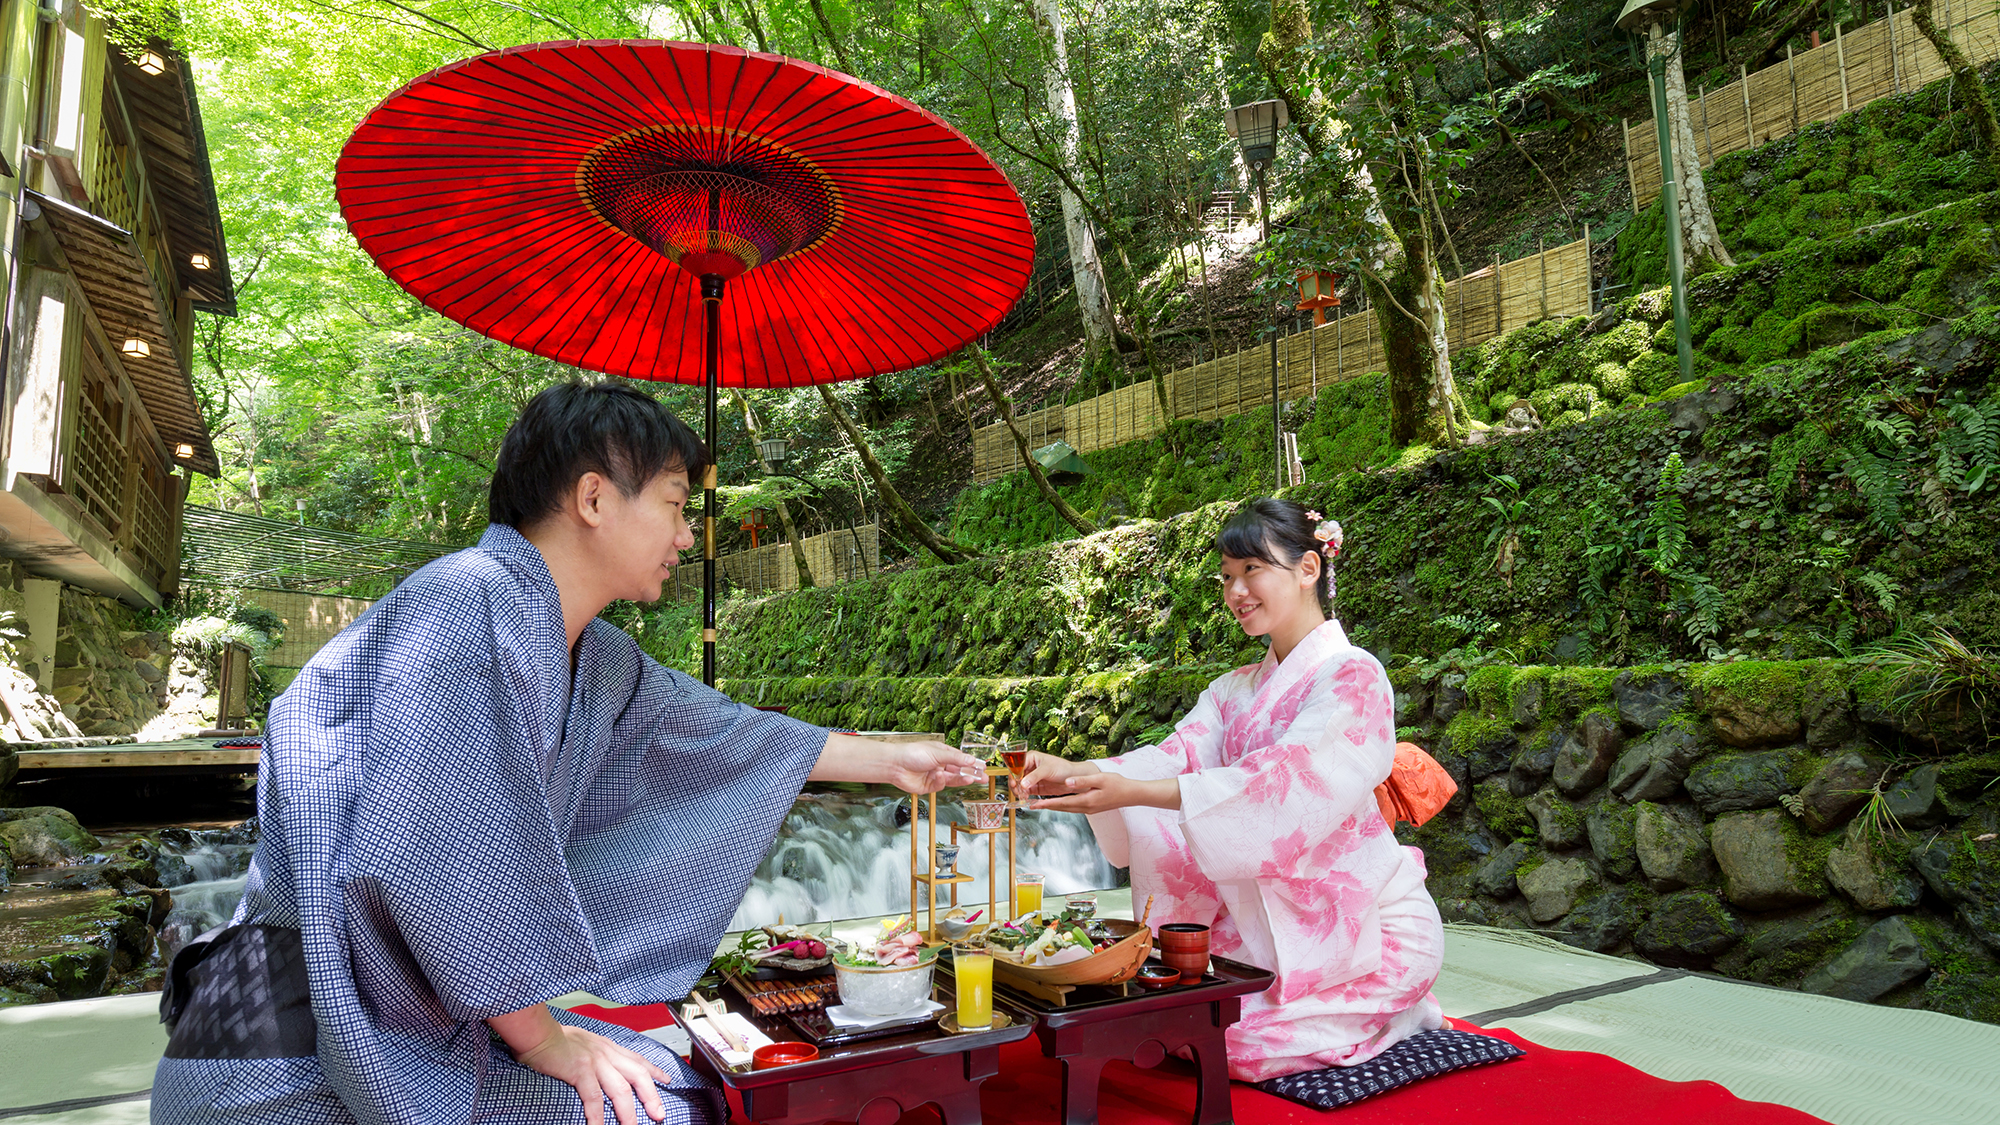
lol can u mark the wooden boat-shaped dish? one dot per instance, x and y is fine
(1114, 965)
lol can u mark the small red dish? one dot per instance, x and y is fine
(782, 1054)
(1157, 976)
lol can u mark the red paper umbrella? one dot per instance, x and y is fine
(686, 212)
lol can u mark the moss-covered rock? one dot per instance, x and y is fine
(1782, 949)
(1672, 846)
(1613, 828)
(43, 836)
(1767, 862)
(1688, 929)
(1754, 703)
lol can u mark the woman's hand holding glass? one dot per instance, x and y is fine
(1046, 774)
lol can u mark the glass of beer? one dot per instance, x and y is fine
(1015, 756)
(972, 968)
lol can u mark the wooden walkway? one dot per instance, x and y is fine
(188, 755)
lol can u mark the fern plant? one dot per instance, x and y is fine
(1697, 603)
(1666, 524)
(1509, 512)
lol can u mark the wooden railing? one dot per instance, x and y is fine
(1479, 306)
(1876, 60)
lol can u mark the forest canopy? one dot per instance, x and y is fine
(335, 388)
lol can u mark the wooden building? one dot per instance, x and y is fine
(112, 240)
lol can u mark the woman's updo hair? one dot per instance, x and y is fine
(1279, 532)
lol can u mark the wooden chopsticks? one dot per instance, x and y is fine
(714, 1014)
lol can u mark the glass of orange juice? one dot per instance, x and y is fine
(1028, 893)
(972, 968)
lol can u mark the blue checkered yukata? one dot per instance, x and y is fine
(454, 840)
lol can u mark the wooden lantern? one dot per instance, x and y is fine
(1319, 290)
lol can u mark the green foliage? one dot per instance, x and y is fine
(1938, 671)
(208, 636)
(1345, 427)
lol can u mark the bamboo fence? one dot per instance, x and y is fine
(841, 555)
(1554, 282)
(1877, 60)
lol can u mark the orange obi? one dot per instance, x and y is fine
(1417, 787)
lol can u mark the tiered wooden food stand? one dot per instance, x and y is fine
(924, 879)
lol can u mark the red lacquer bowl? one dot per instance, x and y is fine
(782, 1054)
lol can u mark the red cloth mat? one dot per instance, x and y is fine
(1544, 1087)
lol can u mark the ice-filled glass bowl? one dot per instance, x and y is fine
(883, 990)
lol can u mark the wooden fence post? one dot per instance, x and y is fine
(1792, 76)
(1631, 177)
(1840, 61)
(1460, 324)
(1749, 118)
(1895, 61)
(1589, 274)
(1542, 260)
(1707, 142)
(1499, 297)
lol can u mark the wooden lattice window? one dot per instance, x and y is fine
(151, 534)
(110, 190)
(94, 471)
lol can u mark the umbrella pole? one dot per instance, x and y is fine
(711, 299)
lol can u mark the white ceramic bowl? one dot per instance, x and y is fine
(884, 991)
(956, 928)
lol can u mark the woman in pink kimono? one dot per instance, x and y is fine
(1259, 817)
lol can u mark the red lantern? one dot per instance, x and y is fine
(753, 522)
(1319, 290)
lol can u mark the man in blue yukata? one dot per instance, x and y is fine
(478, 798)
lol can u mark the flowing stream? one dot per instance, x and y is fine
(837, 856)
(841, 856)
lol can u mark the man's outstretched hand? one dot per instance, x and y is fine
(926, 767)
(913, 767)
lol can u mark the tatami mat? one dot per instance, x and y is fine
(1855, 1064)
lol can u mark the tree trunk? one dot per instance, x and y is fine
(1093, 299)
(1006, 409)
(912, 525)
(1787, 25)
(1701, 243)
(756, 25)
(1559, 103)
(839, 51)
(1281, 52)
(1965, 81)
(784, 511)
(1404, 284)
(1424, 407)
(1239, 172)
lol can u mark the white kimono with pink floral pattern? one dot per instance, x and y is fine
(1280, 847)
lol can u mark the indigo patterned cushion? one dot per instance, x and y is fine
(1426, 1054)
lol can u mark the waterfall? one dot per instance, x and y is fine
(846, 857)
(837, 856)
(198, 908)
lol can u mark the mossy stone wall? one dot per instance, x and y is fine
(1754, 818)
